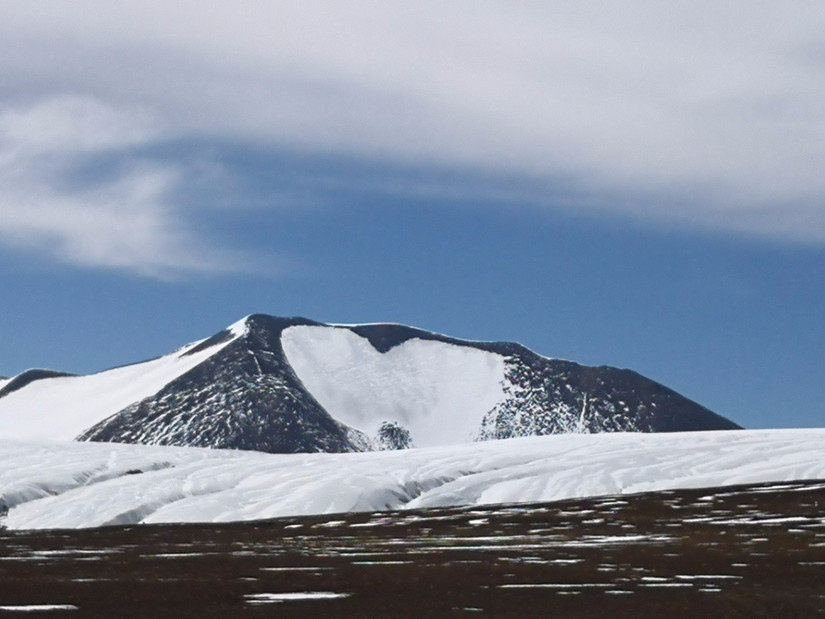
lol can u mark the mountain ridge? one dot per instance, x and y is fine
(292, 384)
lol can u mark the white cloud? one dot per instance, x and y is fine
(122, 222)
(700, 112)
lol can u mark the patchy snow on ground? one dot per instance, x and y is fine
(439, 392)
(55, 485)
(62, 408)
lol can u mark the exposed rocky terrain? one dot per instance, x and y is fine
(286, 385)
(750, 551)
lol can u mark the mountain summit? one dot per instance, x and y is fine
(285, 385)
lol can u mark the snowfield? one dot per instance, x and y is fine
(57, 485)
(62, 408)
(439, 392)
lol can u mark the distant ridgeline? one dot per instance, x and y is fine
(287, 385)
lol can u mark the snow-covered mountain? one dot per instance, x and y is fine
(64, 484)
(286, 385)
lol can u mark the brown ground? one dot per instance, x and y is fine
(747, 551)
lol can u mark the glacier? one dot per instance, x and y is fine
(53, 484)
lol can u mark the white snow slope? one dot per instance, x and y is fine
(62, 408)
(55, 485)
(437, 391)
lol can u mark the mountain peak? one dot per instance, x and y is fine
(285, 384)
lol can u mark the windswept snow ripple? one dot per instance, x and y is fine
(55, 485)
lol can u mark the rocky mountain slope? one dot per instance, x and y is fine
(286, 385)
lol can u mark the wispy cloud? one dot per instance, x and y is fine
(122, 220)
(688, 112)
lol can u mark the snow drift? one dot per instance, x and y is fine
(55, 485)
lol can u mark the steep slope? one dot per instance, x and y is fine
(247, 397)
(443, 390)
(438, 392)
(46, 404)
(293, 385)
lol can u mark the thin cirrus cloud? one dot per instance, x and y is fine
(122, 220)
(695, 113)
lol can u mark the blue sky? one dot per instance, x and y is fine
(637, 186)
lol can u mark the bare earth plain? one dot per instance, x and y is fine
(738, 551)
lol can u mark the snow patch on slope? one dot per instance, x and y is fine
(62, 408)
(439, 392)
(240, 328)
(84, 484)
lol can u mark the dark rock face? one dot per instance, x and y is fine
(552, 396)
(28, 377)
(391, 435)
(549, 396)
(247, 396)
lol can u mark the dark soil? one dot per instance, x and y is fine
(733, 552)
